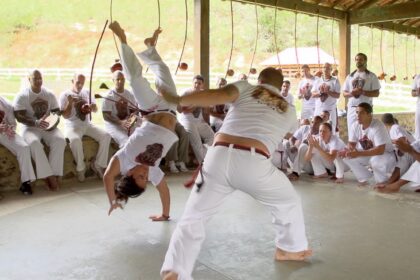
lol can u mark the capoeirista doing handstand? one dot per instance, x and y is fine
(138, 161)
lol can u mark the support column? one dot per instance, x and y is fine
(202, 39)
(344, 55)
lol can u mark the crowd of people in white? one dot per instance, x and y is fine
(382, 150)
(248, 136)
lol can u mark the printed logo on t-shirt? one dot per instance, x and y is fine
(306, 91)
(78, 104)
(366, 143)
(150, 155)
(122, 109)
(358, 83)
(323, 90)
(40, 107)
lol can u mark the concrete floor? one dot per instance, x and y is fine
(355, 234)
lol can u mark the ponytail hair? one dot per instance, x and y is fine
(272, 100)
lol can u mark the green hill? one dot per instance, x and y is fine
(59, 33)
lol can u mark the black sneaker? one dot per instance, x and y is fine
(25, 188)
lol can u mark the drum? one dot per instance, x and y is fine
(53, 120)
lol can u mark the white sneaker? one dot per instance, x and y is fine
(181, 166)
(172, 167)
(81, 176)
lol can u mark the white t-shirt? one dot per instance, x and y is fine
(367, 81)
(79, 99)
(330, 103)
(36, 104)
(6, 112)
(416, 86)
(289, 98)
(248, 117)
(147, 145)
(302, 133)
(335, 144)
(121, 109)
(307, 85)
(373, 136)
(396, 131)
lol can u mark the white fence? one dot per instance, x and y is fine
(392, 94)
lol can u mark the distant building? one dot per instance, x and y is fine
(308, 55)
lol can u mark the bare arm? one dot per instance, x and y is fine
(22, 118)
(415, 92)
(165, 199)
(68, 107)
(109, 118)
(376, 151)
(371, 93)
(205, 98)
(328, 155)
(347, 94)
(334, 94)
(111, 172)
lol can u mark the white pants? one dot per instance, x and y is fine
(146, 97)
(55, 140)
(117, 133)
(381, 165)
(417, 122)
(299, 163)
(413, 174)
(75, 134)
(226, 170)
(23, 155)
(404, 162)
(320, 165)
(279, 157)
(199, 132)
(351, 119)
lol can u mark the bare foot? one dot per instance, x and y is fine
(293, 176)
(339, 180)
(151, 41)
(170, 275)
(118, 31)
(52, 183)
(363, 184)
(325, 175)
(292, 256)
(391, 188)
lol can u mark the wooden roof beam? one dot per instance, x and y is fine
(399, 28)
(404, 10)
(302, 7)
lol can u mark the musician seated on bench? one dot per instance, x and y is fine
(118, 110)
(35, 107)
(77, 106)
